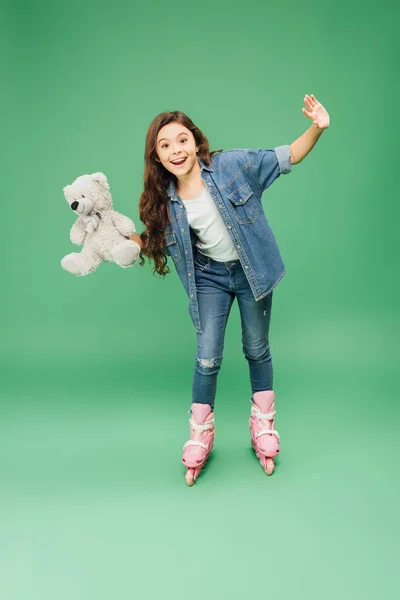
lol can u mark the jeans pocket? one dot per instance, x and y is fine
(201, 263)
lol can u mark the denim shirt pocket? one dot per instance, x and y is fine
(244, 203)
(172, 245)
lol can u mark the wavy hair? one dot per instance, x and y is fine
(154, 201)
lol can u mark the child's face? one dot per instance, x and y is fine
(175, 142)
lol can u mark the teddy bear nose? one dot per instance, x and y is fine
(74, 205)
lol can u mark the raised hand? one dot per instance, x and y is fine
(316, 112)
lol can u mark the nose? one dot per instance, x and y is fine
(175, 148)
(74, 205)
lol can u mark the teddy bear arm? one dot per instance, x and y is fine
(124, 224)
(77, 233)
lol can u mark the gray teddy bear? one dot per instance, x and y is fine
(103, 232)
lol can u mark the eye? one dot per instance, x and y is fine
(183, 140)
(83, 196)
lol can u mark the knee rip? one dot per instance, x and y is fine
(208, 362)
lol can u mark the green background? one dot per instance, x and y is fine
(96, 372)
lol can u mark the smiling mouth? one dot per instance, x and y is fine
(179, 162)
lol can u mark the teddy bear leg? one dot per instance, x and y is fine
(80, 263)
(126, 254)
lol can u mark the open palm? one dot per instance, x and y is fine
(316, 112)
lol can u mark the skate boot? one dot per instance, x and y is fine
(264, 438)
(198, 447)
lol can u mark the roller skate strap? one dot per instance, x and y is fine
(267, 431)
(260, 415)
(201, 426)
(194, 443)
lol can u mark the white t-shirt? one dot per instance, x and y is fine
(213, 239)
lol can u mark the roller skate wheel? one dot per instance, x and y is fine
(189, 476)
(269, 466)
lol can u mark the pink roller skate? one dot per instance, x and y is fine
(199, 446)
(264, 438)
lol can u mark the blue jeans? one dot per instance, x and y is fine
(217, 284)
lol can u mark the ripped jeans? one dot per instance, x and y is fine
(218, 283)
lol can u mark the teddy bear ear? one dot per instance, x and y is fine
(102, 179)
(66, 189)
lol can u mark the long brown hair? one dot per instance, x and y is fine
(154, 201)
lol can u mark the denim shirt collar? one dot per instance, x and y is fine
(171, 190)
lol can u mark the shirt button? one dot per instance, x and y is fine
(185, 251)
(191, 295)
(183, 229)
(238, 246)
(246, 267)
(189, 274)
(229, 226)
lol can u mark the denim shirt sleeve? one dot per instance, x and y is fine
(268, 164)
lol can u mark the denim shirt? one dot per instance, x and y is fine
(236, 180)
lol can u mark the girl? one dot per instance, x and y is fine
(203, 209)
